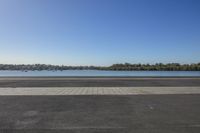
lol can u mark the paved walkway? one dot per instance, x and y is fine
(98, 90)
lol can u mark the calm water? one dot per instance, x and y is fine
(99, 73)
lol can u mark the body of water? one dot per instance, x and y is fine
(99, 73)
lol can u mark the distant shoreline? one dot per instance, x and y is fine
(114, 67)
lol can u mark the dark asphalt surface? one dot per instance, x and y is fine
(98, 82)
(100, 114)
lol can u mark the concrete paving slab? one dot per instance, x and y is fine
(98, 90)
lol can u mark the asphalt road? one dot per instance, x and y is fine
(100, 114)
(98, 82)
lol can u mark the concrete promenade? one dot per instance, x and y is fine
(100, 105)
(98, 90)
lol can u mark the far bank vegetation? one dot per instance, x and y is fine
(114, 67)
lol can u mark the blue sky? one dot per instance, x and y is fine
(99, 32)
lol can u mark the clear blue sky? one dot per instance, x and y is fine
(99, 32)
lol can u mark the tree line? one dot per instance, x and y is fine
(157, 67)
(114, 67)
